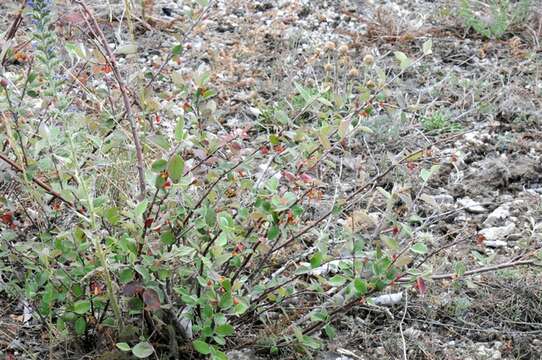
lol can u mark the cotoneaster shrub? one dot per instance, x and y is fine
(128, 233)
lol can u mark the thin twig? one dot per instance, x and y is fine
(40, 183)
(15, 116)
(10, 34)
(123, 89)
(216, 182)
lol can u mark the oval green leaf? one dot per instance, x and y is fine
(176, 168)
(159, 165)
(143, 350)
(81, 307)
(419, 248)
(123, 346)
(202, 347)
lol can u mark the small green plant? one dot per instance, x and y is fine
(494, 19)
(439, 122)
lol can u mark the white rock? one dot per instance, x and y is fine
(388, 299)
(473, 138)
(495, 243)
(498, 232)
(284, 3)
(472, 206)
(443, 199)
(244, 354)
(488, 353)
(330, 267)
(497, 215)
(413, 333)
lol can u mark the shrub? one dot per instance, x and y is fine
(160, 240)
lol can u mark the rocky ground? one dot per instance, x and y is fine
(476, 103)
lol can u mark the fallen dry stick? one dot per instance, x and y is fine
(487, 269)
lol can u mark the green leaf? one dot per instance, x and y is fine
(159, 165)
(167, 238)
(81, 307)
(177, 50)
(319, 315)
(176, 168)
(425, 174)
(48, 295)
(69, 316)
(202, 347)
(160, 140)
(273, 232)
(274, 139)
(360, 286)
(123, 346)
(218, 355)
(179, 130)
(316, 260)
(419, 248)
(323, 136)
(67, 194)
(330, 331)
(159, 182)
(225, 221)
(210, 216)
(272, 184)
(80, 326)
(112, 215)
(81, 51)
(224, 330)
(282, 117)
(140, 209)
(311, 342)
(428, 47)
(207, 330)
(127, 243)
(344, 125)
(391, 243)
(143, 350)
(297, 210)
(459, 268)
(337, 280)
(241, 308)
(126, 275)
(404, 61)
